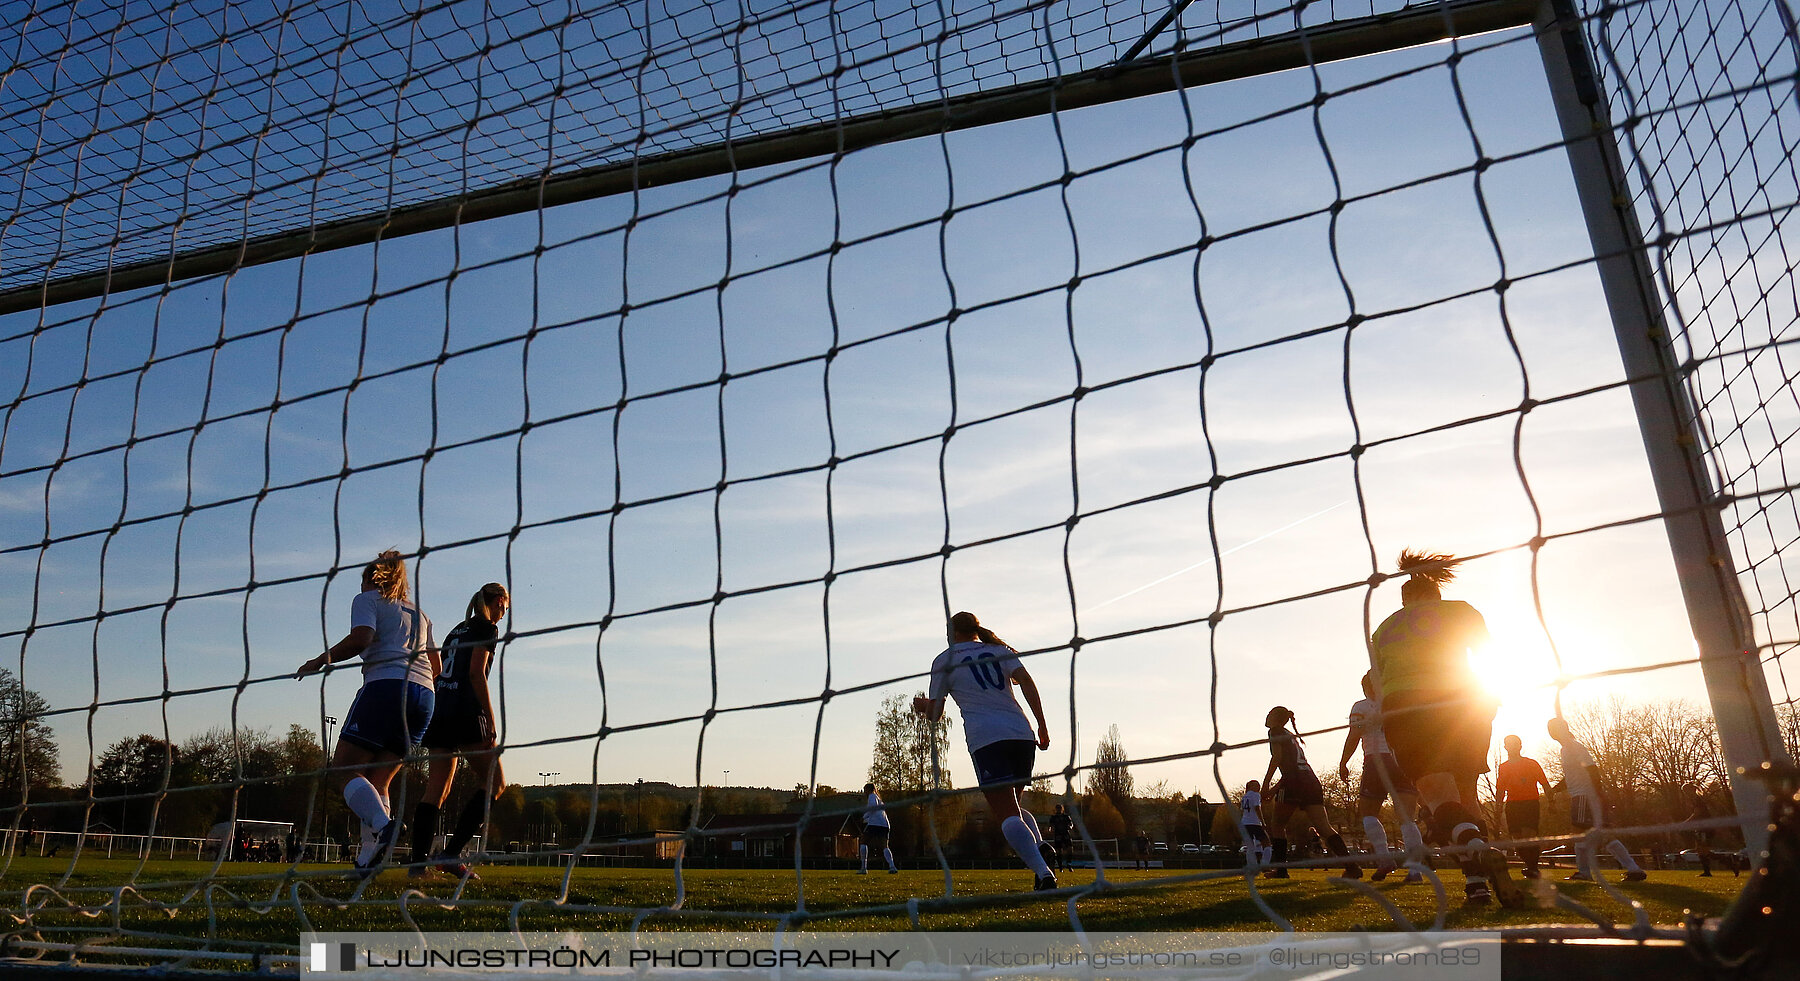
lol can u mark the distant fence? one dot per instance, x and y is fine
(111, 845)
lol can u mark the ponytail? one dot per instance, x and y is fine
(388, 573)
(484, 598)
(1426, 572)
(966, 623)
(1287, 719)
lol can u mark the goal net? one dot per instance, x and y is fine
(745, 343)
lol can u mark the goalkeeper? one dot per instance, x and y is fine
(1437, 721)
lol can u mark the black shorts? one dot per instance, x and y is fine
(1438, 732)
(1256, 833)
(1522, 817)
(1006, 763)
(1300, 789)
(457, 724)
(1584, 813)
(875, 835)
(1373, 787)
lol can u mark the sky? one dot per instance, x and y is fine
(529, 451)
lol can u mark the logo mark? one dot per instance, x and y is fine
(334, 957)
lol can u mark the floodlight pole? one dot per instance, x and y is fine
(1667, 420)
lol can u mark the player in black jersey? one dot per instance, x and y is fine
(462, 727)
(1300, 792)
(1061, 835)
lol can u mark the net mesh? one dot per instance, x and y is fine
(139, 132)
(1709, 135)
(1158, 387)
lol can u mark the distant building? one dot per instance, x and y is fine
(771, 836)
(662, 845)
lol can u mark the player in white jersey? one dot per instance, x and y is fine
(391, 711)
(978, 671)
(875, 831)
(1250, 826)
(1586, 809)
(1381, 776)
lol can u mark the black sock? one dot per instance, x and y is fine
(1335, 843)
(424, 829)
(1280, 848)
(1457, 826)
(1448, 818)
(468, 825)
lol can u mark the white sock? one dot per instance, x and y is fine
(1473, 841)
(1031, 822)
(366, 803)
(1584, 854)
(1377, 836)
(1618, 851)
(888, 855)
(1018, 835)
(387, 804)
(1264, 854)
(862, 853)
(1415, 842)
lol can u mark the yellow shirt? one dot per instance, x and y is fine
(1425, 647)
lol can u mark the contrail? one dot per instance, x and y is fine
(1181, 572)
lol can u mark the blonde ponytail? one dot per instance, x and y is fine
(484, 598)
(388, 573)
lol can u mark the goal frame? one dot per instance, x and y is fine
(1668, 421)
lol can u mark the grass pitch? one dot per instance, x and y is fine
(267, 906)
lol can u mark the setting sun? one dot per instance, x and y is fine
(1518, 667)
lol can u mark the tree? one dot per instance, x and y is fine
(904, 750)
(1103, 820)
(1341, 798)
(506, 816)
(1225, 824)
(1110, 776)
(541, 816)
(572, 812)
(133, 767)
(28, 754)
(911, 756)
(1680, 749)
